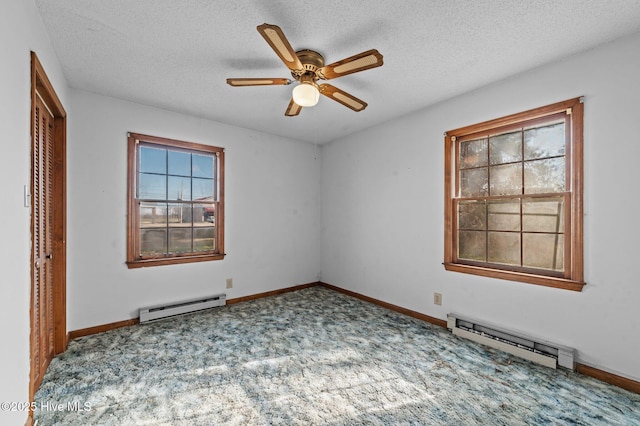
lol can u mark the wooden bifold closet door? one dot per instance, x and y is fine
(42, 202)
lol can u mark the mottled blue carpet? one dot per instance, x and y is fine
(312, 357)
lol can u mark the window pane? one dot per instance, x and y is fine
(471, 215)
(547, 141)
(473, 182)
(179, 163)
(506, 179)
(153, 241)
(542, 176)
(153, 214)
(179, 188)
(472, 245)
(203, 214)
(152, 187)
(203, 166)
(544, 251)
(520, 167)
(504, 215)
(204, 239)
(176, 187)
(505, 148)
(473, 153)
(504, 248)
(180, 214)
(202, 189)
(180, 240)
(153, 160)
(543, 215)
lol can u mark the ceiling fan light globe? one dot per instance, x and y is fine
(306, 95)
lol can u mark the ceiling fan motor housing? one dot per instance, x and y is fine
(311, 62)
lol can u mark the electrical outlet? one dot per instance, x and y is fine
(437, 298)
(229, 282)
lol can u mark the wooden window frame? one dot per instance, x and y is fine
(572, 277)
(134, 260)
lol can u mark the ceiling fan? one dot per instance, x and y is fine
(307, 67)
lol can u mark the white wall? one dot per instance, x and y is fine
(382, 200)
(21, 31)
(272, 212)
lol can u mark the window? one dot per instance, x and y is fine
(176, 202)
(513, 197)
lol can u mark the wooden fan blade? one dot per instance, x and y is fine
(356, 63)
(293, 109)
(343, 97)
(279, 43)
(239, 82)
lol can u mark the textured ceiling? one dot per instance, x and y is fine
(177, 54)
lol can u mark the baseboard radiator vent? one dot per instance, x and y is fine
(527, 347)
(154, 313)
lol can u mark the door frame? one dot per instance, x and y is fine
(42, 87)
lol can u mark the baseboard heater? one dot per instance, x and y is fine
(531, 348)
(154, 313)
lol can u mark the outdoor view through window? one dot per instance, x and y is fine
(514, 197)
(176, 199)
(495, 227)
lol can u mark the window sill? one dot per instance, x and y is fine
(173, 260)
(562, 283)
